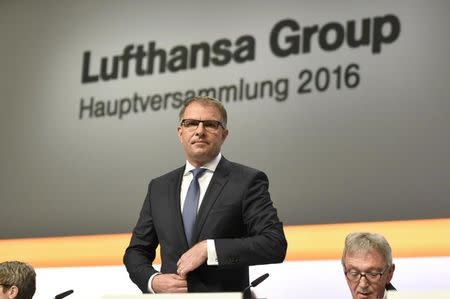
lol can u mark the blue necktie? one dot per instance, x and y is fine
(191, 204)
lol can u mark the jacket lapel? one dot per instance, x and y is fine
(218, 181)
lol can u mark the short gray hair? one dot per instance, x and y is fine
(364, 242)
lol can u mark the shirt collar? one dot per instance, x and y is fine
(211, 165)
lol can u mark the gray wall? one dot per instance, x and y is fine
(375, 151)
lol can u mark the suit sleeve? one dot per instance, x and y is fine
(264, 241)
(141, 252)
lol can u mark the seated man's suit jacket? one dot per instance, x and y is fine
(236, 212)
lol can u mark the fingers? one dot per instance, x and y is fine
(179, 284)
(192, 259)
(178, 277)
(185, 265)
(181, 273)
(169, 283)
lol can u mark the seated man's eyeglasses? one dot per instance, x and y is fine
(209, 125)
(373, 276)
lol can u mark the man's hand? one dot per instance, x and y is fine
(169, 283)
(192, 259)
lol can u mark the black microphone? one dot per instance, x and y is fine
(247, 293)
(64, 294)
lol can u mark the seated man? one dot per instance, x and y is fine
(17, 280)
(368, 267)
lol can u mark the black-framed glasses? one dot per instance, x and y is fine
(373, 276)
(209, 125)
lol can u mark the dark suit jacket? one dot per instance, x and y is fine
(236, 212)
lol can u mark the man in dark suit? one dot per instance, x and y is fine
(236, 224)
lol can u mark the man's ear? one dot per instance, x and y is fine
(12, 292)
(224, 134)
(179, 130)
(391, 272)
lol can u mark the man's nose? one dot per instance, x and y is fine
(200, 129)
(363, 281)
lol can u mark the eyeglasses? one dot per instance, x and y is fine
(209, 125)
(355, 276)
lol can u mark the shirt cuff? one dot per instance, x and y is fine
(212, 254)
(150, 280)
